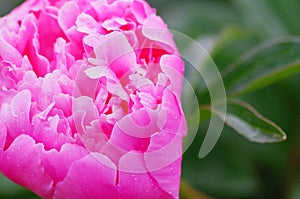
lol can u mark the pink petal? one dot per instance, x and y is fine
(9, 53)
(118, 24)
(155, 29)
(16, 114)
(174, 115)
(50, 85)
(105, 9)
(133, 131)
(40, 63)
(48, 28)
(172, 66)
(67, 24)
(163, 161)
(120, 59)
(84, 85)
(63, 102)
(86, 106)
(141, 10)
(66, 84)
(93, 176)
(163, 156)
(71, 10)
(135, 181)
(30, 5)
(22, 161)
(63, 60)
(52, 131)
(87, 24)
(171, 183)
(3, 135)
(140, 124)
(52, 160)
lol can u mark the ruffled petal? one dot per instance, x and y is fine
(22, 161)
(155, 29)
(93, 176)
(16, 114)
(3, 135)
(90, 100)
(135, 181)
(52, 160)
(172, 66)
(9, 53)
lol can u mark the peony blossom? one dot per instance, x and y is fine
(90, 100)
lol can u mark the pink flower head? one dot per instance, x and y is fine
(90, 100)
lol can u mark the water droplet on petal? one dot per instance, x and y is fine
(4, 88)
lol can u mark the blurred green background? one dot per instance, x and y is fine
(236, 168)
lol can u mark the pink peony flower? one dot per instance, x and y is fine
(90, 100)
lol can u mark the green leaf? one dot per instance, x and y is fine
(263, 65)
(288, 11)
(232, 42)
(261, 18)
(195, 18)
(11, 190)
(245, 120)
(8, 5)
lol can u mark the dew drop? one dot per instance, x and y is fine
(4, 88)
